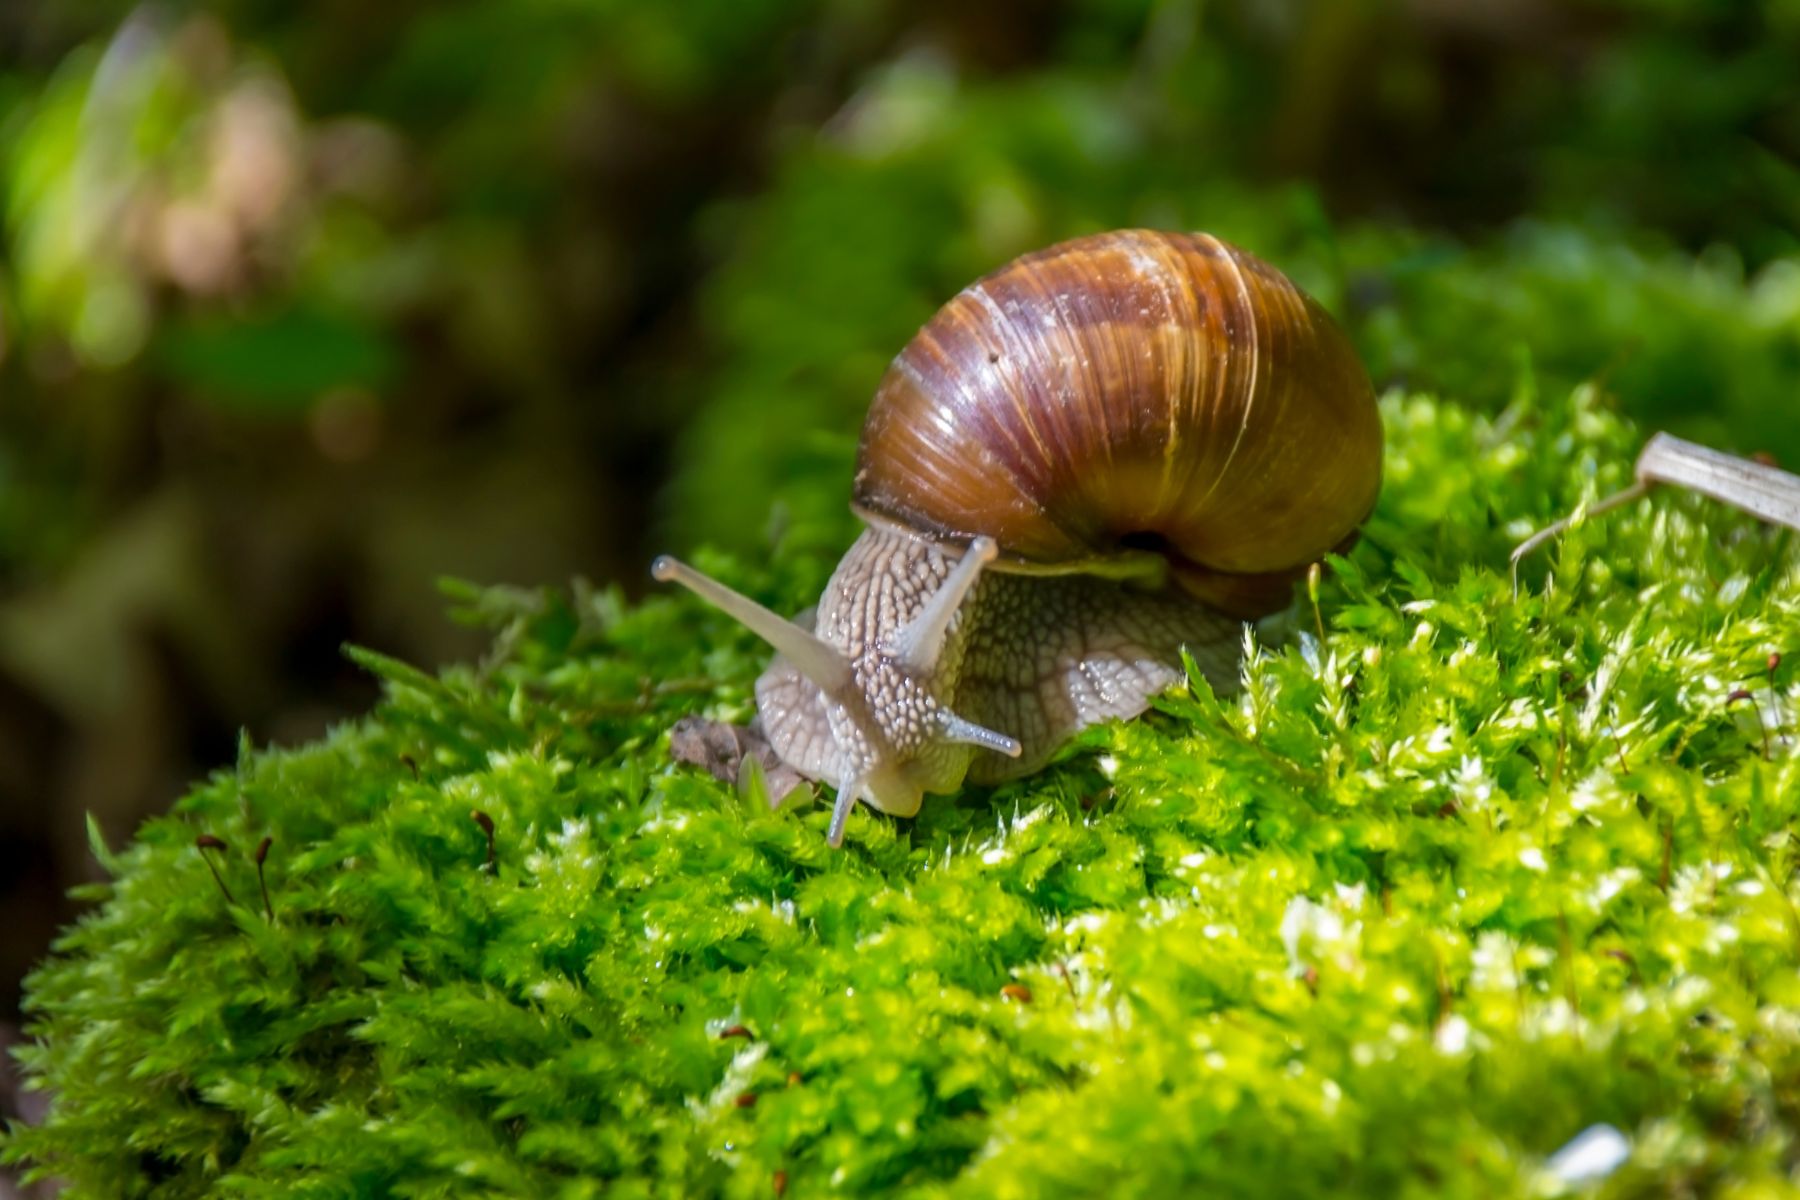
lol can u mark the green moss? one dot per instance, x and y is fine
(1422, 902)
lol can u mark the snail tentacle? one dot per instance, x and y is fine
(953, 728)
(818, 660)
(847, 796)
(919, 643)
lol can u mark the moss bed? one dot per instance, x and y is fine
(1425, 900)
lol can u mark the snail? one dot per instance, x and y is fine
(1098, 454)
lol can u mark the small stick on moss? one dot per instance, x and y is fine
(412, 765)
(779, 1181)
(1668, 855)
(262, 855)
(746, 1100)
(486, 822)
(1636, 491)
(1758, 488)
(1775, 696)
(1017, 992)
(1747, 694)
(205, 842)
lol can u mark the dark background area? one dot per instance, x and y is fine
(303, 307)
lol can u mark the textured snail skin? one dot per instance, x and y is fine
(1090, 460)
(1127, 389)
(1036, 658)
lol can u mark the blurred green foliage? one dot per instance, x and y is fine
(929, 182)
(626, 208)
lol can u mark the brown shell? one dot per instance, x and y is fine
(1125, 391)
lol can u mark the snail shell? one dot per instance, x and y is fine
(1098, 456)
(1127, 392)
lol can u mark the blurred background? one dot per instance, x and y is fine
(303, 307)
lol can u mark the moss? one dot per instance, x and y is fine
(1422, 902)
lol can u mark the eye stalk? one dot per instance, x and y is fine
(918, 645)
(896, 722)
(817, 660)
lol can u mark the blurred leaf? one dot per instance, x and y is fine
(275, 364)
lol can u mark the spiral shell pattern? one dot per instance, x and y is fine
(1127, 391)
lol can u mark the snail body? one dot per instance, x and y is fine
(1095, 456)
